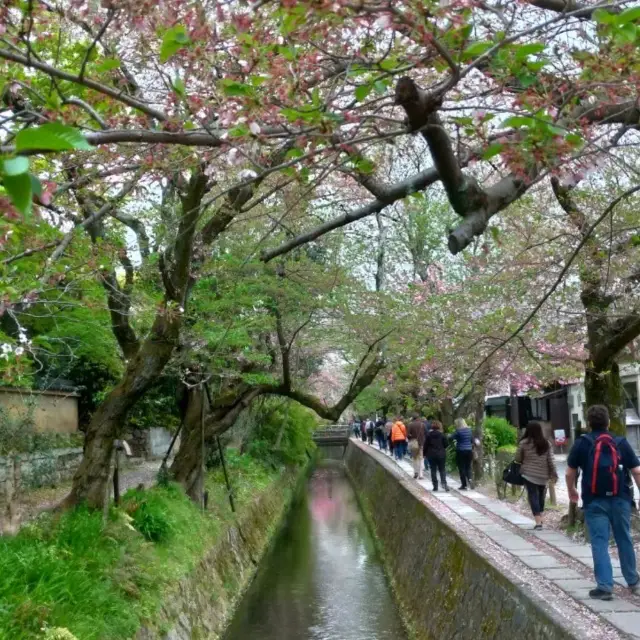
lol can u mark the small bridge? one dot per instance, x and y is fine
(331, 436)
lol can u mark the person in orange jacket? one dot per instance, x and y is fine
(399, 438)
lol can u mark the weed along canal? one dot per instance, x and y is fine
(323, 579)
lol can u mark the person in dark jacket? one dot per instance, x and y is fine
(380, 434)
(427, 428)
(463, 437)
(435, 451)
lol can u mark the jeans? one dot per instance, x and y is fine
(398, 449)
(536, 494)
(438, 466)
(382, 440)
(602, 515)
(370, 436)
(464, 460)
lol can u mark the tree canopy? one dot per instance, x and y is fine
(249, 192)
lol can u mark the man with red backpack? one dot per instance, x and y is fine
(607, 496)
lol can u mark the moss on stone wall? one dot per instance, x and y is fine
(445, 587)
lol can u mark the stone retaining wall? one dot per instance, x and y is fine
(447, 588)
(30, 470)
(202, 604)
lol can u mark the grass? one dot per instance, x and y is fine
(101, 580)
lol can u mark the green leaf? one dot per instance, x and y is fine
(626, 33)
(519, 121)
(526, 79)
(239, 131)
(178, 86)
(15, 166)
(362, 92)
(18, 187)
(388, 64)
(364, 165)
(36, 185)
(604, 17)
(629, 15)
(492, 150)
(294, 153)
(476, 49)
(108, 64)
(53, 136)
(233, 88)
(380, 86)
(528, 50)
(289, 53)
(536, 65)
(173, 40)
(573, 139)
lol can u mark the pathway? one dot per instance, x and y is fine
(550, 554)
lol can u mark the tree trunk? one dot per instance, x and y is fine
(603, 385)
(446, 412)
(187, 468)
(478, 410)
(91, 480)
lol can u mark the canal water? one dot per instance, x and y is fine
(323, 579)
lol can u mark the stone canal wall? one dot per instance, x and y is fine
(204, 602)
(446, 586)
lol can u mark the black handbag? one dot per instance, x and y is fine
(512, 475)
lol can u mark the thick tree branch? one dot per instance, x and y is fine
(285, 349)
(623, 331)
(334, 412)
(137, 226)
(577, 9)
(415, 183)
(91, 84)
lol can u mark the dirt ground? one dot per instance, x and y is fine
(30, 503)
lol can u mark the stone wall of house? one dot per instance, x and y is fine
(52, 411)
(446, 586)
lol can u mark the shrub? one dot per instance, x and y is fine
(150, 514)
(503, 432)
(508, 448)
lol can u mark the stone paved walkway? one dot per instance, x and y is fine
(567, 564)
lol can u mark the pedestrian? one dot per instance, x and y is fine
(537, 467)
(381, 437)
(355, 427)
(399, 438)
(435, 451)
(463, 437)
(415, 436)
(370, 425)
(388, 426)
(363, 429)
(427, 427)
(607, 496)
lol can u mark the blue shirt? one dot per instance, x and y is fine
(579, 458)
(463, 439)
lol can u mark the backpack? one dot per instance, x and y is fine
(604, 473)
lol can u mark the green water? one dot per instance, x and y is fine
(323, 579)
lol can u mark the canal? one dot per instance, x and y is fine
(323, 579)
